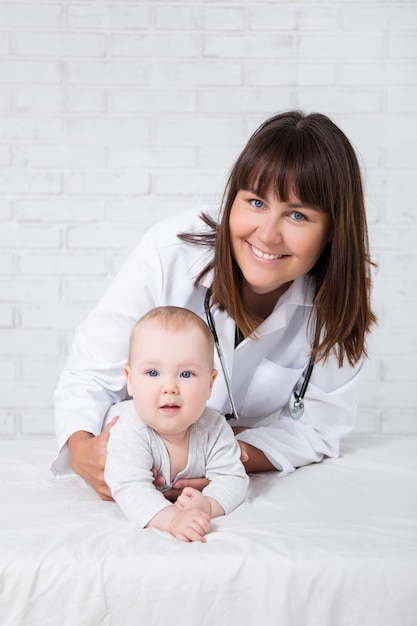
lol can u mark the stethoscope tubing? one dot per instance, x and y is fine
(296, 401)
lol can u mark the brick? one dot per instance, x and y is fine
(20, 291)
(340, 100)
(57, 99)
(402, 101)
(61, 264)
(33, 371)
(7, 318)
(108, 128)
(102, 236)
(137, 156)
(207, 182)
(18, 237)
(4, 43)
(197, 131)
(367, 421)
(30, 15)
(85, 291)
(29, 397)
(60, 44)
(154, 45)
(401, 156)
(29, 343)
(36, 423)
(46, 72)
(405, 211)
(383, 18)
(8, 424)
(27, 128)
(196, 73)
(270, 17)
(390, 237)
(107, 72)
(5, 99)
(153, 101)
(233, 101)
(5, 155)
(6, 264)
(108, 17)
(107, 182)
(278, 46)
(399, 422)
(59, 156)
(5, 208)
(402, 46)
(59, 210)
(13, 180)
(288, 73)
(55, 316)
(179, 17)
(342, 46)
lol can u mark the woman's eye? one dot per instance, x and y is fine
(257, 204)
(186, 374)
(297, 216)
(152, 373)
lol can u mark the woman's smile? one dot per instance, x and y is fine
(265, 256)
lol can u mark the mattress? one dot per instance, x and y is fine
(333, 544)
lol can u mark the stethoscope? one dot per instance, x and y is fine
(296, 401)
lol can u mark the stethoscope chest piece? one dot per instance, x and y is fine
(296, 405)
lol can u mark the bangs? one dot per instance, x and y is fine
(286, 162)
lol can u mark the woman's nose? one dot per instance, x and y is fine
(269, 231)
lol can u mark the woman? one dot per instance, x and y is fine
(285, 273)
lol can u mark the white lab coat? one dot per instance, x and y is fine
(263, 370)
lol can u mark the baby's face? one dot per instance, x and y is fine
(170, 376)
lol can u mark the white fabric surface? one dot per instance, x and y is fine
(333, 544)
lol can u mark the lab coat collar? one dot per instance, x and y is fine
(299, 294)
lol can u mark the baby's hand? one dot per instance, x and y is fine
(190, 525)
(192, 499)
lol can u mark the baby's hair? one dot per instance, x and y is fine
(173, 318)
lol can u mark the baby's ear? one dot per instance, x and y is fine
(126, 371)
(213, 378)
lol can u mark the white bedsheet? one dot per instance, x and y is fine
(334, 544)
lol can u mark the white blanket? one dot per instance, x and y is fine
(334, 544)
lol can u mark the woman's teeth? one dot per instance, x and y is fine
(264, 255)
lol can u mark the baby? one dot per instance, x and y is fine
(168, 429)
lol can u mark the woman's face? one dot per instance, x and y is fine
(275, 242)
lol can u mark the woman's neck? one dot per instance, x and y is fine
(262, 304)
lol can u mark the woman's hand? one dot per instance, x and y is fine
(88, 457)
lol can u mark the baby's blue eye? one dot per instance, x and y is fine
(186, 374)
(153, 373)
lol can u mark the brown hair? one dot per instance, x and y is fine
(311, 156)
(173, 318)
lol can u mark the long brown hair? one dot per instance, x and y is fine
(311, 156)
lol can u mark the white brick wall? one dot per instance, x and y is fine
(114, 114)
